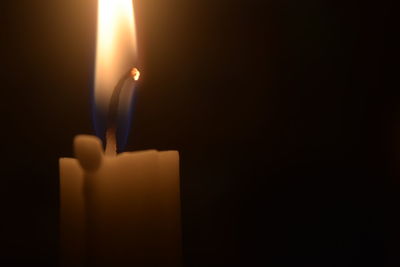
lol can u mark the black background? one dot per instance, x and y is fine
(282, 111)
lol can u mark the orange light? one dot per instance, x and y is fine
(135, 73)
(116, 50)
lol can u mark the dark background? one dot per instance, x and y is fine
(283, 112)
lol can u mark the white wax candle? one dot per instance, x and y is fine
(122, 210)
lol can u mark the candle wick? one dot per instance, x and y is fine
(111, 143)
(111, 133)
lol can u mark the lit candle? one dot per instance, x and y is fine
(118, 210)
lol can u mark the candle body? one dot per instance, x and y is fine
(126, 213)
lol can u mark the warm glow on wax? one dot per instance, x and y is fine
(116, 48)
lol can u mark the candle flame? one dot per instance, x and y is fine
(115, 76)
(116, 50)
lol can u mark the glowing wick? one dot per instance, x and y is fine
(111, 142)
(135, 73)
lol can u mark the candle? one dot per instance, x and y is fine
(118, 209)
